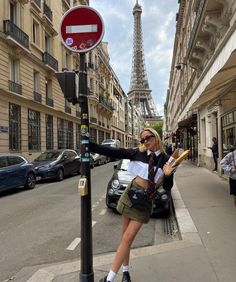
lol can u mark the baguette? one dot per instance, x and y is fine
(180, 158)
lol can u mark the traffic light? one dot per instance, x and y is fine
(69, 83)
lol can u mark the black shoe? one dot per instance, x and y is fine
(126, 277)
(104, 279)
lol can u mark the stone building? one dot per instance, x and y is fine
(201, 99)
(34, 116)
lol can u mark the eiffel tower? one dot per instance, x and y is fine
(140, 93)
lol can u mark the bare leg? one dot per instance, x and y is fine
(122, 253)
(125, 224)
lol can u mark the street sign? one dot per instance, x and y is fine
(81, 29)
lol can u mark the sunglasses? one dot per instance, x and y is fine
(148, 138)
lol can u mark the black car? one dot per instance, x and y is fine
(16, 171)
(120, 180)
(56, 164)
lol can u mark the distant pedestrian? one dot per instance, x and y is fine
(228, 163)
(148, 165)
(214, 149)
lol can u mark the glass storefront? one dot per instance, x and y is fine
(228, 122)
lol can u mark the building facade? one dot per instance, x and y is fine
(34, 116)
(201, 99)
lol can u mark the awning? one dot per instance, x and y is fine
(190, 121)
(220, 84)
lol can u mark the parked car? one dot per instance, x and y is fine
(99, 159)
(120, 180)
(56, 164)
(111, 142)
(16, 171)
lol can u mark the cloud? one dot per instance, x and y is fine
(158, 27)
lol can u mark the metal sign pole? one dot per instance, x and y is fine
(86, 269)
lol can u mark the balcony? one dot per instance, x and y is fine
(68, 110)
(50, 61)
(93, 120)
(47, 11)
(12, 30)
(105, 103)
(49, 102)
(37, 97)
(15, 87)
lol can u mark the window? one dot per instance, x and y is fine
(48, 88)
(47, 43)
(13, 12)
(14, 70)
(49, 132)
(14, 127)
(33, 130)
(14, 160)
(65, 134)
(77, 136)
(35, 32)
(36, 81)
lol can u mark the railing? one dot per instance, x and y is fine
(49, 102)
(16, 33)
(106, 103)
(93, 119)
(47, 11)
(37, 97)
(196, 24)
(67, 109)
(50, 60)
(15, 87)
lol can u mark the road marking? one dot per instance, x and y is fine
(103, 212)
(74, 244)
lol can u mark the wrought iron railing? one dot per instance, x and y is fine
(15, 87)
(16, 33)
(49, 102)
(50, 60)
(37, 97)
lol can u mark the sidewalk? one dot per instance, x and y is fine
(206, 252)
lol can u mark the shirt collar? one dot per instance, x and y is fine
(157, 153)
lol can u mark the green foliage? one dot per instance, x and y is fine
(158, 127)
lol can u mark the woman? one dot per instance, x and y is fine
(228, 163)
(134, 216)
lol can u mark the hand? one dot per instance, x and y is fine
(168, 169)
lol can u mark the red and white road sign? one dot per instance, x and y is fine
(81, 29)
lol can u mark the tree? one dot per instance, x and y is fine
(158, 127)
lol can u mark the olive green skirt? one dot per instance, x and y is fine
(140, 212)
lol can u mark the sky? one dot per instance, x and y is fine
(158, 27)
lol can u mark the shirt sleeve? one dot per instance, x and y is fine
(118, 153)
(227, 163)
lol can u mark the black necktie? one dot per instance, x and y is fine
(151, 175)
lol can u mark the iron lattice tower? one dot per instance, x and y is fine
(139, 93)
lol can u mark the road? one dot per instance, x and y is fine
(42, 226)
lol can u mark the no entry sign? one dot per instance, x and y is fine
(81, 29)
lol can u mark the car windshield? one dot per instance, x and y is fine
(124, 164)
(48, 156)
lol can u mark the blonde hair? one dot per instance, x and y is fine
(142, 147)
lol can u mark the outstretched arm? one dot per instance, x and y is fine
(117, 153)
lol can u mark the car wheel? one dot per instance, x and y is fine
(30, 181)
(60, 174)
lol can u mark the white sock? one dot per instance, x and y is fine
(125, 268)
(111, 276)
